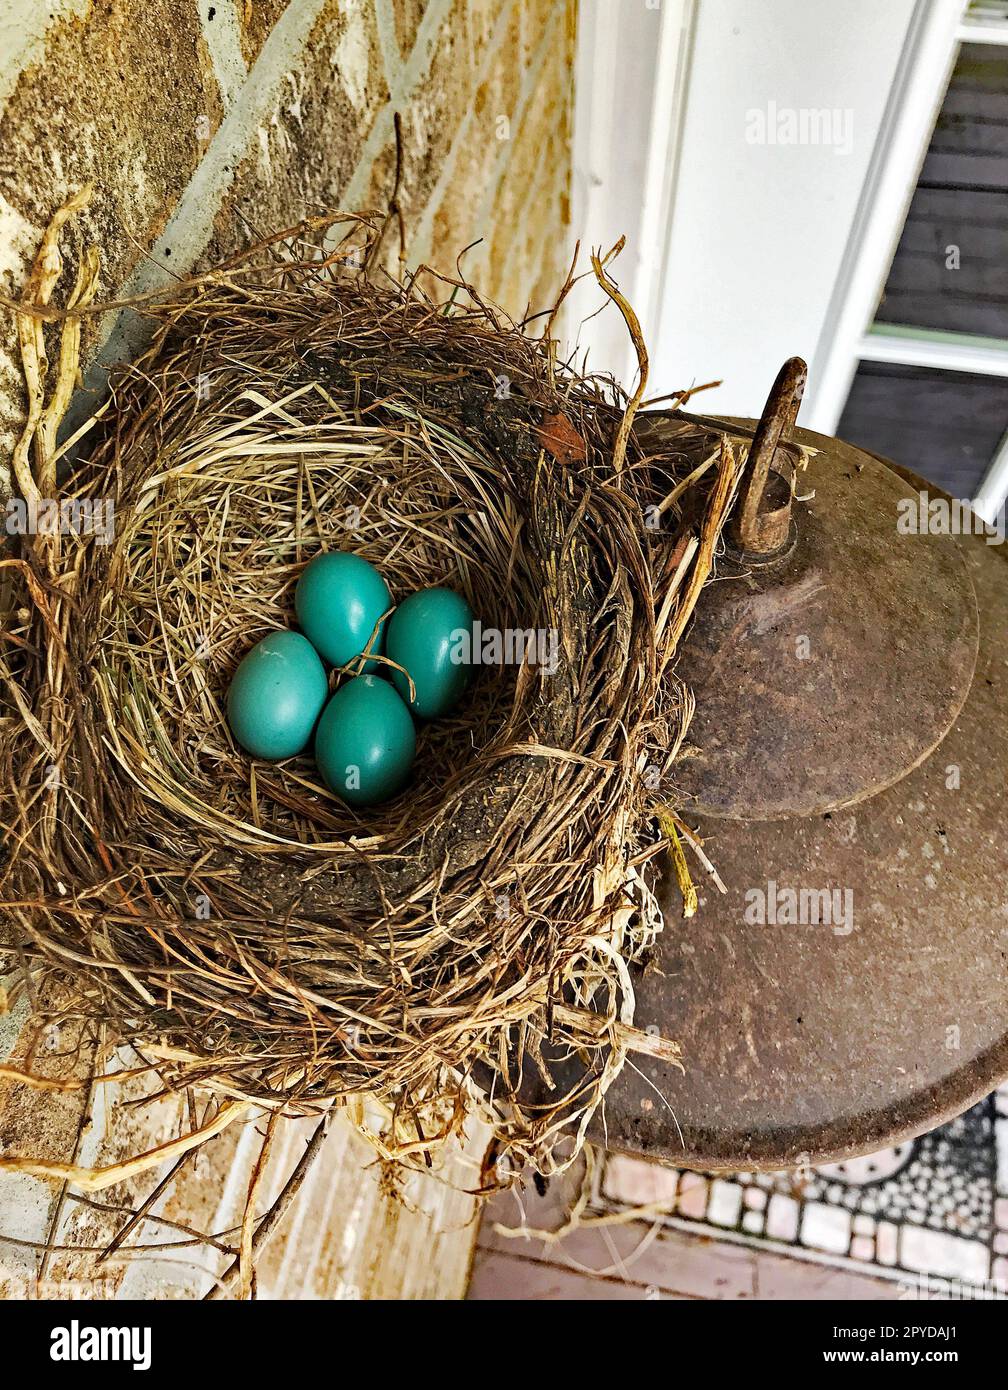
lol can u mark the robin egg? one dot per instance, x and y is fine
(430, 635)
(276, 696)
(339, 599)
(365, 742)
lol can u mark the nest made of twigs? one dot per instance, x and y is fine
(237, 924)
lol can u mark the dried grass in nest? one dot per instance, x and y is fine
(241, 928)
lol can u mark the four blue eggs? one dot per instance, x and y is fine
(364, 739)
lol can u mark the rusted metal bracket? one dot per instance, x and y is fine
(761, 525)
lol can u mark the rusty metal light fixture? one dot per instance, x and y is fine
(851, 738)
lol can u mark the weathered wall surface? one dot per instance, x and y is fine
(344, 1236)
(196, 122)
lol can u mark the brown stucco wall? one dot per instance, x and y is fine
(196, 120)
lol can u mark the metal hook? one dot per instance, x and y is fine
(763, 532)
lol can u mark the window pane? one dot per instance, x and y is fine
(951, 267)
(944, 425)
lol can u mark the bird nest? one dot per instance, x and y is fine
(236, 924)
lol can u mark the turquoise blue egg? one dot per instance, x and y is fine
(424, 636)
(276, 695)
(365, 742)
(339, 599)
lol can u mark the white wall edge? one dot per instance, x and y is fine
(668, 110)
(631, 70)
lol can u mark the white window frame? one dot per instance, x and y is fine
(616, 119)
(850, 335)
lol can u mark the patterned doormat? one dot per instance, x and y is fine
(931, 1213)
